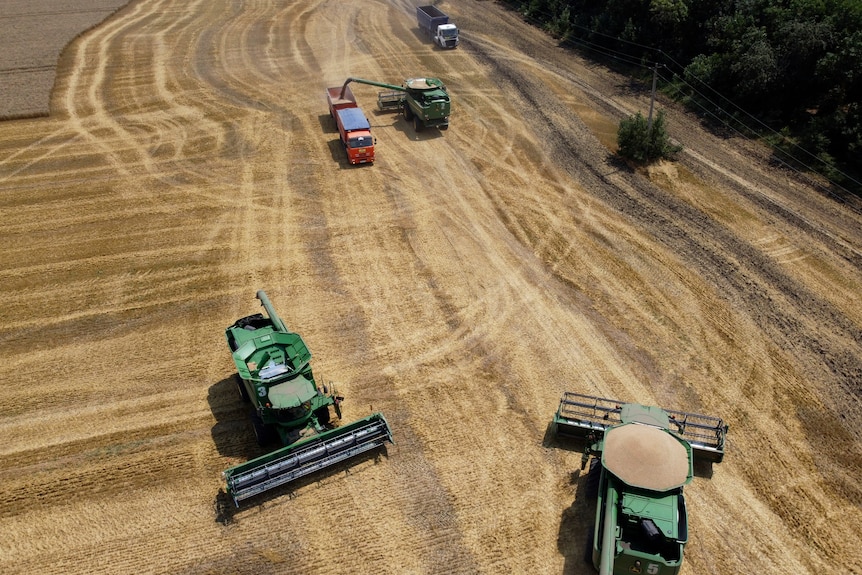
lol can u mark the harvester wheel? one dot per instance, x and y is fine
(591, 488)
(408, 113)
(243, 392)
(417, 124)
(262, 433)
(322, 415)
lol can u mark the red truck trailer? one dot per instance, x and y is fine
(353, 127)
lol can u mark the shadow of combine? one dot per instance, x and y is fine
(232, 433)
(576, 524)
(552, 440)
(576, 520)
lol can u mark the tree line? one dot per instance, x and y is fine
(786, 70)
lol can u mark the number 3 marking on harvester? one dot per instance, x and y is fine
(261, 392)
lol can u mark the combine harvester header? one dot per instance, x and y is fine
(580, 415)
(302, 458)
(275, 376)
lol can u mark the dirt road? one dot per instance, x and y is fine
(459, 285)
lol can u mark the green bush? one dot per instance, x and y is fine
(644, 144)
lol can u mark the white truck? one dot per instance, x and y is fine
(435, 23)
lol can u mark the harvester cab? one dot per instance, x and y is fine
(288, 407)
(640, 458)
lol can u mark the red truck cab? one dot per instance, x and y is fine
(354, 131)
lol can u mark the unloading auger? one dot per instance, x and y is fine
(275, 376)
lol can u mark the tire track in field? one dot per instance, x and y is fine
(83, 94)
(681, 225)
(654, 210)
(431, 347)
(21, 158)
(458, 285)
(342, 211)
(160, 129)
(277, 165)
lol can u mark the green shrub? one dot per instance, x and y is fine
(644, 144)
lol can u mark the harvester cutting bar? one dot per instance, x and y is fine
(390, 100)
(705, 434)
(299, 459)
(580, 415)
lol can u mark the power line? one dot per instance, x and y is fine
(679, 78)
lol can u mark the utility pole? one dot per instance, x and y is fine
(652, 97)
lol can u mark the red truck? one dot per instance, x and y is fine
(353, 127)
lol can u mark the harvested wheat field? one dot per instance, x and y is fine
(459, 285)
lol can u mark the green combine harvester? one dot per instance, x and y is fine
(640, 458)
(423, 101)
(274, 367)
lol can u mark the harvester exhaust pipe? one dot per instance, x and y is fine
(270, 311)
